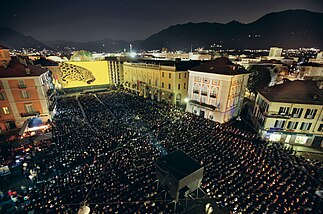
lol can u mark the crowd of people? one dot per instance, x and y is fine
(105, 146)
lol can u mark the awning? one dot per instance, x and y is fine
(23, 128)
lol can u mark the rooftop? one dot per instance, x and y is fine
(179, 164)
(220, 66)
(298, 91)
(179, 64)
(3, 47)
(45, 62)
(16, 69)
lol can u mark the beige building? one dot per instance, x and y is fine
(216, 90)
(164, 81)
(115, 69)
(291, 113)
(23, 93)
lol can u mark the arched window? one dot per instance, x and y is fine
(214, 92)
(205, 90)
(196, 88)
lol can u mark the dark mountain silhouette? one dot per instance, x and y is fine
(287, 29)
(12, 39)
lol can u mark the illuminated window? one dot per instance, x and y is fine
(310, 113)
(283, 110)
(5, 110)
(29, 108)
(292, 125)
(22, 84)
(306, 126)
(279, 123)
(24, 94)
(320, 128)
(297, 112)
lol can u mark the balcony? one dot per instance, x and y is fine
(28, 114)
(204, 93)
(22, 86)
(194, 102)
(276, 115)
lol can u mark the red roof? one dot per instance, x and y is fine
(16, 69)
(3, 47)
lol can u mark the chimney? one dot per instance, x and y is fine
(27, 69)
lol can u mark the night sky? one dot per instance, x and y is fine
(87, 20)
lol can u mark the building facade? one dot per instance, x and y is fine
(115, 68)
(216, 90)
(164, 83)
(23, 93)
(291, 113)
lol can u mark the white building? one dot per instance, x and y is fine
(275, 52)
(310, 70)
(216, 90)
(291, 112)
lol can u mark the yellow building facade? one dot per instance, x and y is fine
(157, 82)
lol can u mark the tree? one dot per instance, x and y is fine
(259, 78)
(82, 55)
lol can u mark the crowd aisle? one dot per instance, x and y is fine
(112, 164)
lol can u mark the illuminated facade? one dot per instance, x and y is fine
(115, 68)
(164, 83)
(82, 74)
(216, 90)
(23, 93)
(291, 112)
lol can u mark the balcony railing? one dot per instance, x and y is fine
(204, 93)
(276, 115)
(28, 114)
(202, 104)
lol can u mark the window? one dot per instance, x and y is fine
(24, 94)
(292, 125)
(163, 74)
(169, 75)
(162, 85)
(279, 124)
(310, 113)
(184, 85)
(156, 83)
(29, 108)
(179, 75)
(320, 129)
(306, 126)
(149, 81)
(213, 92)
(283, 110)
(179, 86)
(22, 84)
(2, 96)
(297, 112)
(168, 86)
(185, 75)
(5, 110)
